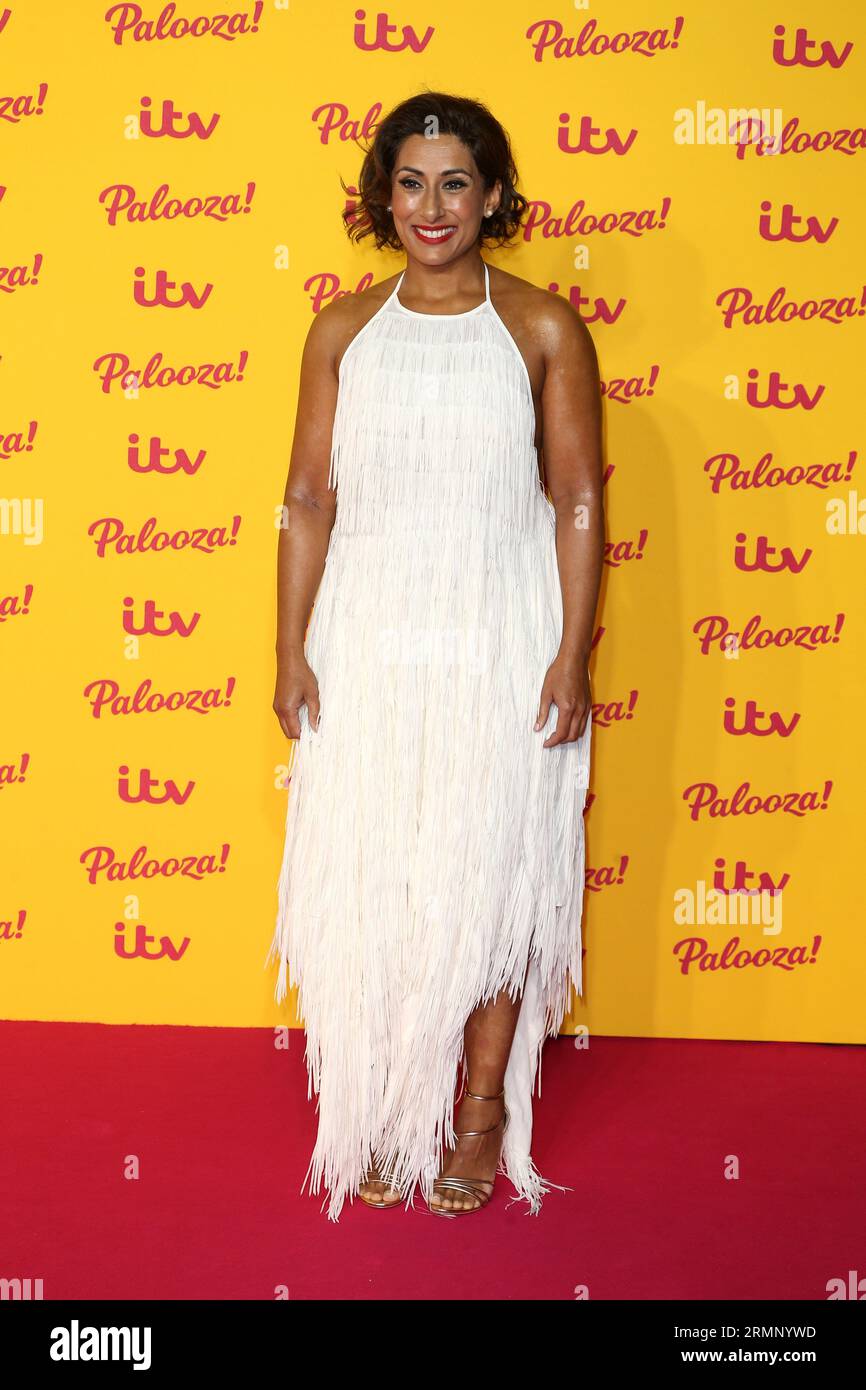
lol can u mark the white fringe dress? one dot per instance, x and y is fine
(434, 850)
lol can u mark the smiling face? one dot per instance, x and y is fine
(438, 198)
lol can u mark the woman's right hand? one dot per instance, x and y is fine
(296, 686)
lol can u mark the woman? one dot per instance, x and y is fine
(431, 887)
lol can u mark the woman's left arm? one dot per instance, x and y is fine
(573, 471)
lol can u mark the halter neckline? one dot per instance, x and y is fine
(464, 315)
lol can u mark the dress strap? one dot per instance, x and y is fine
(487, 300)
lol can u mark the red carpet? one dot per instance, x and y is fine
(221, 1128)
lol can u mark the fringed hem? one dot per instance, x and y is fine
(531, 1187)
(537, 1022)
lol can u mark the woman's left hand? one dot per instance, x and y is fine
(566, 685)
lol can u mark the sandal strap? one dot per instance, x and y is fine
(474, 1133)
(469, 1187)
(373, 1175)
(387, 1179)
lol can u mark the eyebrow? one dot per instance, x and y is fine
(409, 170)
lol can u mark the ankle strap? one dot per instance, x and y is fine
(473, 1096)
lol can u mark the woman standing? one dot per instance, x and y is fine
(431, 888)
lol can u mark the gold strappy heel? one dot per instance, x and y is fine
(470, 1187)
(373, 1175)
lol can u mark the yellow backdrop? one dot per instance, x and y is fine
(169, 203)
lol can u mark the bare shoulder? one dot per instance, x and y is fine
(337, 323)
(549, 320)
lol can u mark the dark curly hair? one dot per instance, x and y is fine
(472, 123)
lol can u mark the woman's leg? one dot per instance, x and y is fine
(488, 1036)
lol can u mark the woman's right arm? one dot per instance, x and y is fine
(308, 517)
